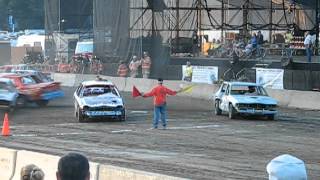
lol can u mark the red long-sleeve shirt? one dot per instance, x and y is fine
(160, 93)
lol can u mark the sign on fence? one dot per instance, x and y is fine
(270, 78)
(203, 74)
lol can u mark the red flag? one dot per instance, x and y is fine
(135, 92)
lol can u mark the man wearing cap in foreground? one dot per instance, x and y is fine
(159, 93)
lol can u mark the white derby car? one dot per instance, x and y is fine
(98, 99)
(244, 98)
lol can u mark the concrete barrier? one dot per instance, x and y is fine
(65, 79)
(107, 172)
(305, 100)
(11, 162)
(48, 163)
(285, 98)
(7, 163)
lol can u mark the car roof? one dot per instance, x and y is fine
(239, 83)
(22, 70)
(95, 82)
(14, 75)
(6, 80)
(9, 75)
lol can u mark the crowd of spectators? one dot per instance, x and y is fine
(238, 46)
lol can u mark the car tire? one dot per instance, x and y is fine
(80, 116)
(217, 110)
(21, 101)
(232, 112)
(123, 117)
(10, 109)
(42, 103)
(271, 117)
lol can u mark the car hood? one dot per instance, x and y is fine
(51, 85)
(102, 100)
(253, 100)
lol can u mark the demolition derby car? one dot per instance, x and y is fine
(38, 75)
(9, 96)
(31, 89)
(98, 99)
(244, 98)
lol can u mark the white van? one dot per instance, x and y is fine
(84, 48)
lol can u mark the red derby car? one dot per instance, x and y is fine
(33, 90)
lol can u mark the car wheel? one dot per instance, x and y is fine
(271, 117)
(217, 110)
(232, 112)
(75, 110)
(80, 116)
(21, 101)
(123, 117)
(10, 109)
(42, 103)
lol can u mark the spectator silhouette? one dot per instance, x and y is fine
(73, 166)
(31, 172)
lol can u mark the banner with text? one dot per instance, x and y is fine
(202, 74)
(270, 78)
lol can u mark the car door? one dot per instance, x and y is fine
(224, 99)
(77, 94)
(221, 91)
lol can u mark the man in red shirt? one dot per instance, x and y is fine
(159, 94)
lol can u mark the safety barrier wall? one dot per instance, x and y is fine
(7, 162)
(286, 98)
(117, 173)
(48, 163)
(11, 162)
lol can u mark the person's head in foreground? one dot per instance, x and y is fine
(286, 167)
(160, 81)
(73, 166)
(31, 172)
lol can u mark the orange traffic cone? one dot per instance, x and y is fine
(5, 127)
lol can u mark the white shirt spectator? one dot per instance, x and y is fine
(308, 40)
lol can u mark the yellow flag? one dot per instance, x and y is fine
(187, 89)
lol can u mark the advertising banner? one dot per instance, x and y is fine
(270, 78)
(202, 74)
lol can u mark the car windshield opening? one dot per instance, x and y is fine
(248, 90)
(99, 90)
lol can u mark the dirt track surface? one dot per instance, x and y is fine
(196, 145)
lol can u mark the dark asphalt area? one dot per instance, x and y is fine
(196, 145)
